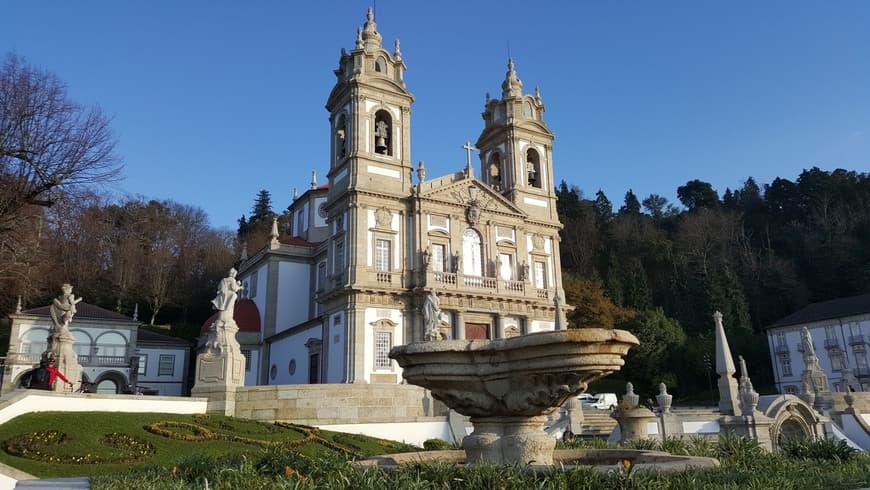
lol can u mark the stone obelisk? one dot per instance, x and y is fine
(728, 399)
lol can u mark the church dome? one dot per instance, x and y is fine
(246, 314)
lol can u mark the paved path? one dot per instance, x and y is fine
(54, 484)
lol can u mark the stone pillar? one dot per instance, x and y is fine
(220, 368)
(631, 417)
(459, 325)
(499, 326)
(66, 360)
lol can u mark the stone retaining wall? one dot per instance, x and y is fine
(329, 404)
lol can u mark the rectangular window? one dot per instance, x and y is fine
(247, 354)
(830, 332)
(780, 338)
(837, 361)
(540, 275)
(339, 256)
(506, 266)
(854, 328)
(255, 277)
(437, 258)
(382, 255)
(786, 366)
(143, 364)
(166, 365)
(383, 344)
(321, 275)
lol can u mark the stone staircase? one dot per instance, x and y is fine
(597, 423)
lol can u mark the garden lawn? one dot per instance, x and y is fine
(63, 444)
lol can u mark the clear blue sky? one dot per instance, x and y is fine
(215, 100)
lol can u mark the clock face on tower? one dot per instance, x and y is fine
(321, 210)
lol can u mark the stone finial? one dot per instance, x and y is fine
(359, 39)
(273, 242)
(538, 92)
(295, 193)
(664, 399)
(748, 395)
(397, 52)
(136, 312)
(370, 36)
(728, 403)
(488, 98)
(314, 179)
(244, 255)
(512, 85)
(421, 171)
(18, 306)
(630, 400)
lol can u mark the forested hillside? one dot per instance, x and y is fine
(756, 254)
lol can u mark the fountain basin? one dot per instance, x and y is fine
(508, 386)
(528, 375)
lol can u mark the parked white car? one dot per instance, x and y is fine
(601, 401)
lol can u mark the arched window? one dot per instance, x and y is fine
(381, 65)
(111, 344)
(341, 137)
(82, 344)
(383, 133)
(533, 168)
(528, 113)
(495, 171)
(472, 253)
(34, 341)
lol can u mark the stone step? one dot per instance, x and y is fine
(54, 484)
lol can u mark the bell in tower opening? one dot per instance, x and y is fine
(383, 141)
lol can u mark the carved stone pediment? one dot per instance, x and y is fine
(473, 194)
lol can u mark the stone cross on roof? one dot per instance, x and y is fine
(468, 149)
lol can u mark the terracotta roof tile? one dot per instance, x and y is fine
(83, 310)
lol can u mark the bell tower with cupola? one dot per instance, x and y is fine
(370, 118)
(516, 149)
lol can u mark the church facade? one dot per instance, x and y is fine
(369, 248)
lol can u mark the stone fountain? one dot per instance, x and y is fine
(508, 387)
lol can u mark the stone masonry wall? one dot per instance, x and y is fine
(336, 403)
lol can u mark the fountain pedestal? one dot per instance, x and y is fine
(500, 439)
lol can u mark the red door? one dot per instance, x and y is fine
(477, 331)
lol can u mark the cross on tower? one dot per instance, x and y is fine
(468, 149)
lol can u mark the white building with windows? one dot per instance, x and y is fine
(364, 250)
(840, 330)
(108, 346)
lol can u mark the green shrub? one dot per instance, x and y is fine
(436, 444)
(821, 449)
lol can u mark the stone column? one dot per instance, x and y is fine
(458, 325)
(499, 326)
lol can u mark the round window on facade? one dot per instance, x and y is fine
(273, 372)
(292, 367)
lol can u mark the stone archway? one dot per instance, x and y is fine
(793, 419)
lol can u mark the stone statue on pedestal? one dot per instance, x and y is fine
(431, 316)
(60, 340)
(221, 365)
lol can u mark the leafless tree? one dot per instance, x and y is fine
(47, 142)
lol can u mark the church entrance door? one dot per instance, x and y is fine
(477, 331)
